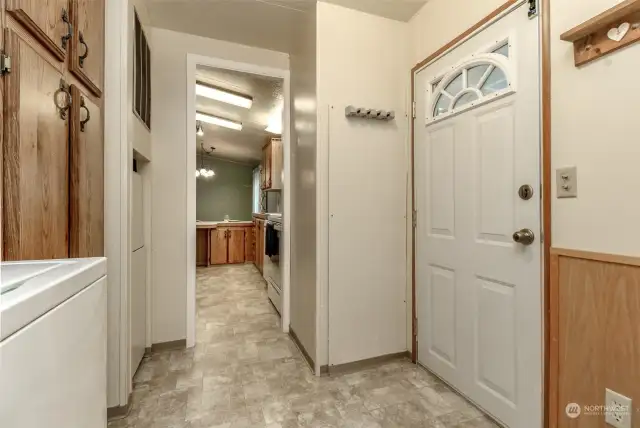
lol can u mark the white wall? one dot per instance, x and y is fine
(363, 173)
(595, 127)
(303, 165)
(168, 148)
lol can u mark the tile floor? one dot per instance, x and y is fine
(244, 372)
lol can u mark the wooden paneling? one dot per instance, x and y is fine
(43, 18)
(202, 247)
(595, 314)
(219, 246)
(249, 244)
(236, 245)
(86, 191)
(87, 46)
(35, 158)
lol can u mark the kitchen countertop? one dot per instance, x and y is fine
(215, 224)
(261, 216)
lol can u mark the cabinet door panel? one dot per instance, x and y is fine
(236, 245)
(86, 198)
(44, 19)
(202, 247)
(219, 246)
(87, 47)
(249, 242)
(35, 158)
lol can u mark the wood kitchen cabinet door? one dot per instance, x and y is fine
(48, 21)
(87, 45)
(202, 247)
(236, 245)
(219, 246)
(267, 160)
(35, 156)
(249, 245)
(86, 190)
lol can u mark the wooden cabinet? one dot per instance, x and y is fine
(35, 157)
(219, 246)
(202, 247)
(48, 21)
(271, 171)
(249, 244)
(86, 190)
(87, 44)
(236, 245)
(52, 151)
(259, 236)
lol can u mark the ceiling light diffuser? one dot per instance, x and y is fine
(219, 121)
(223, 95)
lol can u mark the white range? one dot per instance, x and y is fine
(53, 344)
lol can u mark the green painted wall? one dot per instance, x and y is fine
(229, 192)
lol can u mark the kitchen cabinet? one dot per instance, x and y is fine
(87, 44)
(86, 190)
(47, 20)
(236, 245)
(35, 156)
(259, 231)
(202, 247)
(249, 244)
(52, 152)
(219, 246)
(271, 171)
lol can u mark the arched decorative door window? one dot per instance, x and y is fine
(477, 80)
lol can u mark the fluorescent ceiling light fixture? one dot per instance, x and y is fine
(219, 121)
(223, 95)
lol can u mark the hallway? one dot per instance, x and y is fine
(244, 372)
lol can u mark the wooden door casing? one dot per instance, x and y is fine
(35, 158)
(236, 245)
(86, 191)
(87, 46)
(44, 19)
(219, 246)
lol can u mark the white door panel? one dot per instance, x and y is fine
(479, 293)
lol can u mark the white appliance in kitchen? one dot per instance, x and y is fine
(53, 343)
(272, 271)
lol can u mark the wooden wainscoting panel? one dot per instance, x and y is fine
(595, 334)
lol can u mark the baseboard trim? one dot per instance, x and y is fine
(302, 349)
(367, 363)
(169, 346)
(119, 412)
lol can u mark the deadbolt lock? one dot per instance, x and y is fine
(525, 192)
(524, 237)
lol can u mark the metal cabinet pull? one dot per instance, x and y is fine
(66, 20)
(86, 49)
(83, 123)
(65, 105)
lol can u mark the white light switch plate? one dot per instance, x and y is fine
(618, 409)
(567, 182)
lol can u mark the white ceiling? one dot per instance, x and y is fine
(267, 24)
(246, 145)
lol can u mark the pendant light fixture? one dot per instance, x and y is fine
(199, 129)
(204, 172)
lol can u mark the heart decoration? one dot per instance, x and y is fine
(617, 34)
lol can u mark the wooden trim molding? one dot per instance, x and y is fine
(463, 36)
(594, 337)
(302, 349)
(119, 412)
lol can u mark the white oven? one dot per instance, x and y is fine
(273, 252)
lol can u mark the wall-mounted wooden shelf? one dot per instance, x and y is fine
(590, 39)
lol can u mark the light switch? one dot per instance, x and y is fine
(567, 182)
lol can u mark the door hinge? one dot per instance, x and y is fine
(415, 332)
(414, 218)
(413, 109)
(5, 64)
(533, 8)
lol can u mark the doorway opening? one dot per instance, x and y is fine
(238, 193)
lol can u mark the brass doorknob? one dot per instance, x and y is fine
(524, 237)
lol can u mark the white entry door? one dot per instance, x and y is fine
(479, 292)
